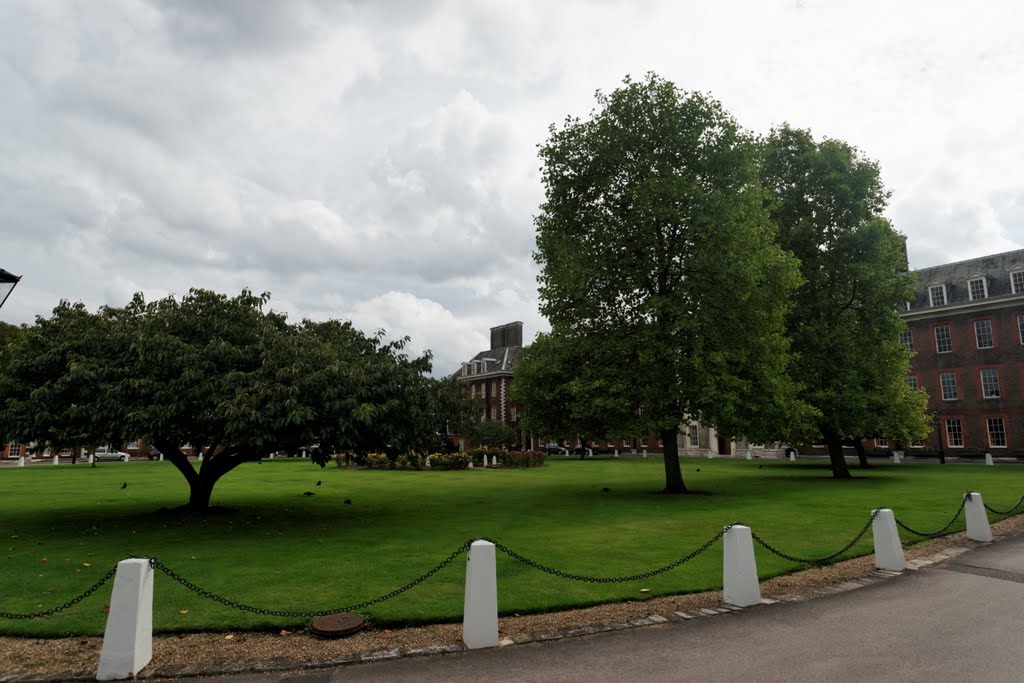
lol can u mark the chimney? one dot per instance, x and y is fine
(509, 334)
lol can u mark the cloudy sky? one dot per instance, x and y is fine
(376, 161)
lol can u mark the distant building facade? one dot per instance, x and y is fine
(966, 329)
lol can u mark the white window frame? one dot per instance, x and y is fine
(960, 432)
(989, 421)
(912, 382)
(984, 288)
(942, 386)
(931, 295)
(1017, 281)
(907, 339)
(949, 338)
(1020, 327)
(693, 436)
(15, 449)
(512, 414)
(977, 334)
(881, 443)
(985, 386)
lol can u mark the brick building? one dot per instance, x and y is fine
(488, 375)
(966, 328)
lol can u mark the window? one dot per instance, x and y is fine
(643, 442)
(465, 369)
(977, 289)
(943, 342)
(694, 437)
(494, 412)
(947, 380)
(472, 391)
(15, 449)
(882, 443)
(512, 414)
(990, 383)
(996, 432)
(65, 451)
(983, 333)
(937, 295)
(627, 443)
(1017, 280)
(1020, 327)
(661, 444)
(954, 433)
(134, 444)
(907, 339)
(912, 381)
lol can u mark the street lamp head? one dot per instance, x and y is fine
(7, 283)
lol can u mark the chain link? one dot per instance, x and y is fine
(1005, 512)
(70, 603)
(227, 602)
(815, 560)
(609, 579)
(940, 532)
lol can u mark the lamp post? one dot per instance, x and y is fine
(936, 425)
(7, 283)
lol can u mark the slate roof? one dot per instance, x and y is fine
(995, 269)
(500, 359)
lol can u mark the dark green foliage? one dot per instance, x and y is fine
(449, 461)
(521, 459)
(493, 433)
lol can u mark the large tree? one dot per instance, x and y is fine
(215, 372)
(828, 201)
(657, 255)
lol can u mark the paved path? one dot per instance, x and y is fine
(962, 619)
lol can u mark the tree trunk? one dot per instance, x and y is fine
(200, 491)
(673, 473)
(862, 458)
(835, 454)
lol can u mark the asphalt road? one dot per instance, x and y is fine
(958, 620)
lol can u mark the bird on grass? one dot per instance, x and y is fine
(309, 493)
(124, 486)
(318, 482)
(348, 501)
(606, 490)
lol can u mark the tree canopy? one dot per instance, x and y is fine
(827, 200)
(219, 373)
(659, 262)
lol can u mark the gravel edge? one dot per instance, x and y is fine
(203, 654)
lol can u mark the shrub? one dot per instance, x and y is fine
(409, 461)
(523, 459)
(477, 454)
(449, 461)
(378, 461)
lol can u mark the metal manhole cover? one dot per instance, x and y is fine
(337, 625)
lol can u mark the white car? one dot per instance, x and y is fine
(108, 453)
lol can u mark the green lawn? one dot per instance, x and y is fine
(276, 548)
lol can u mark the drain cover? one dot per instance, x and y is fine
(337, 625)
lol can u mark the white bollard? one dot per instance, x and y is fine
(750, 456)
(645, 452)
(200, 458)
(977, 519)
(426, 463)
(56, 460)
(616, 452)
(888, 549)
(21, 461)
(161, 457)
(739, 570)
(792, 456)
(486, 462)
(988, 459)
(495, 461)
(590, 452)
(470, 465)
(128, 640)
(480, 608)
(896, 457)
(92, 458)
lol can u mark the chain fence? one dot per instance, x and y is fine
(70, 603)
(1005, 512)
(610, 579)
(944, 529)
(227, 602)
(815, 560)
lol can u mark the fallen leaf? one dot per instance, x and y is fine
(193, 557)
(229, 637)
(183, 611)
(388, 631)
(45, 560)
(645, 590)
(285, 633)
(87, 564)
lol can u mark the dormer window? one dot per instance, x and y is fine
(465, 369)
(977, 289)
(1017, 282)
(476, 367)
(937, 295)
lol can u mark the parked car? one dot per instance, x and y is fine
(108, 453)
(154, 454)
(583, 449)
(554, 449)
